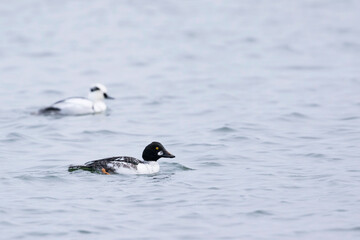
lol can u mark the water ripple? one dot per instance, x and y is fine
(259, 213)
(99, 132)
(176, 166)
(353, 229)
(224, 130)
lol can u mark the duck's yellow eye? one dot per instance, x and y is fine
(157, 148)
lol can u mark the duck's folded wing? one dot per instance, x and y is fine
(105, 161)
(113, 163)
(131, 160)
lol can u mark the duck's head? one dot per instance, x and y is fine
(98, 92)
(154, 151)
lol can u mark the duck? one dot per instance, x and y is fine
(128, 165)
(94, 103)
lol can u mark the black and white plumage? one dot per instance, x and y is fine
(129, 165)
(94, 103)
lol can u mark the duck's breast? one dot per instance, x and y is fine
(148, 168)
(99, 107)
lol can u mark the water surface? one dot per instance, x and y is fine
(258, 100)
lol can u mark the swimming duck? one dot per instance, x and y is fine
(129, 165)
(94, 103)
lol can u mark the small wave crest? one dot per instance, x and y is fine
(224, 130)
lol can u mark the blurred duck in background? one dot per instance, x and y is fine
(94, 103)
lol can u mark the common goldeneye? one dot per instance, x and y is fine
(129, 165)
(80, 105)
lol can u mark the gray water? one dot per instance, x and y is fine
(258, 100)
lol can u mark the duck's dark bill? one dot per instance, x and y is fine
(107, 96)
(167, 155)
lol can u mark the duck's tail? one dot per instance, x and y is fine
(79, 167)
(49, 110)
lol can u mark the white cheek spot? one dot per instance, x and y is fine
(160, 153)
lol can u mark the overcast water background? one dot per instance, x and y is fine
(258, 100)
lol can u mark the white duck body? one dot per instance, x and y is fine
(79, 106)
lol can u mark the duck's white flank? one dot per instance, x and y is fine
(141, 168)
